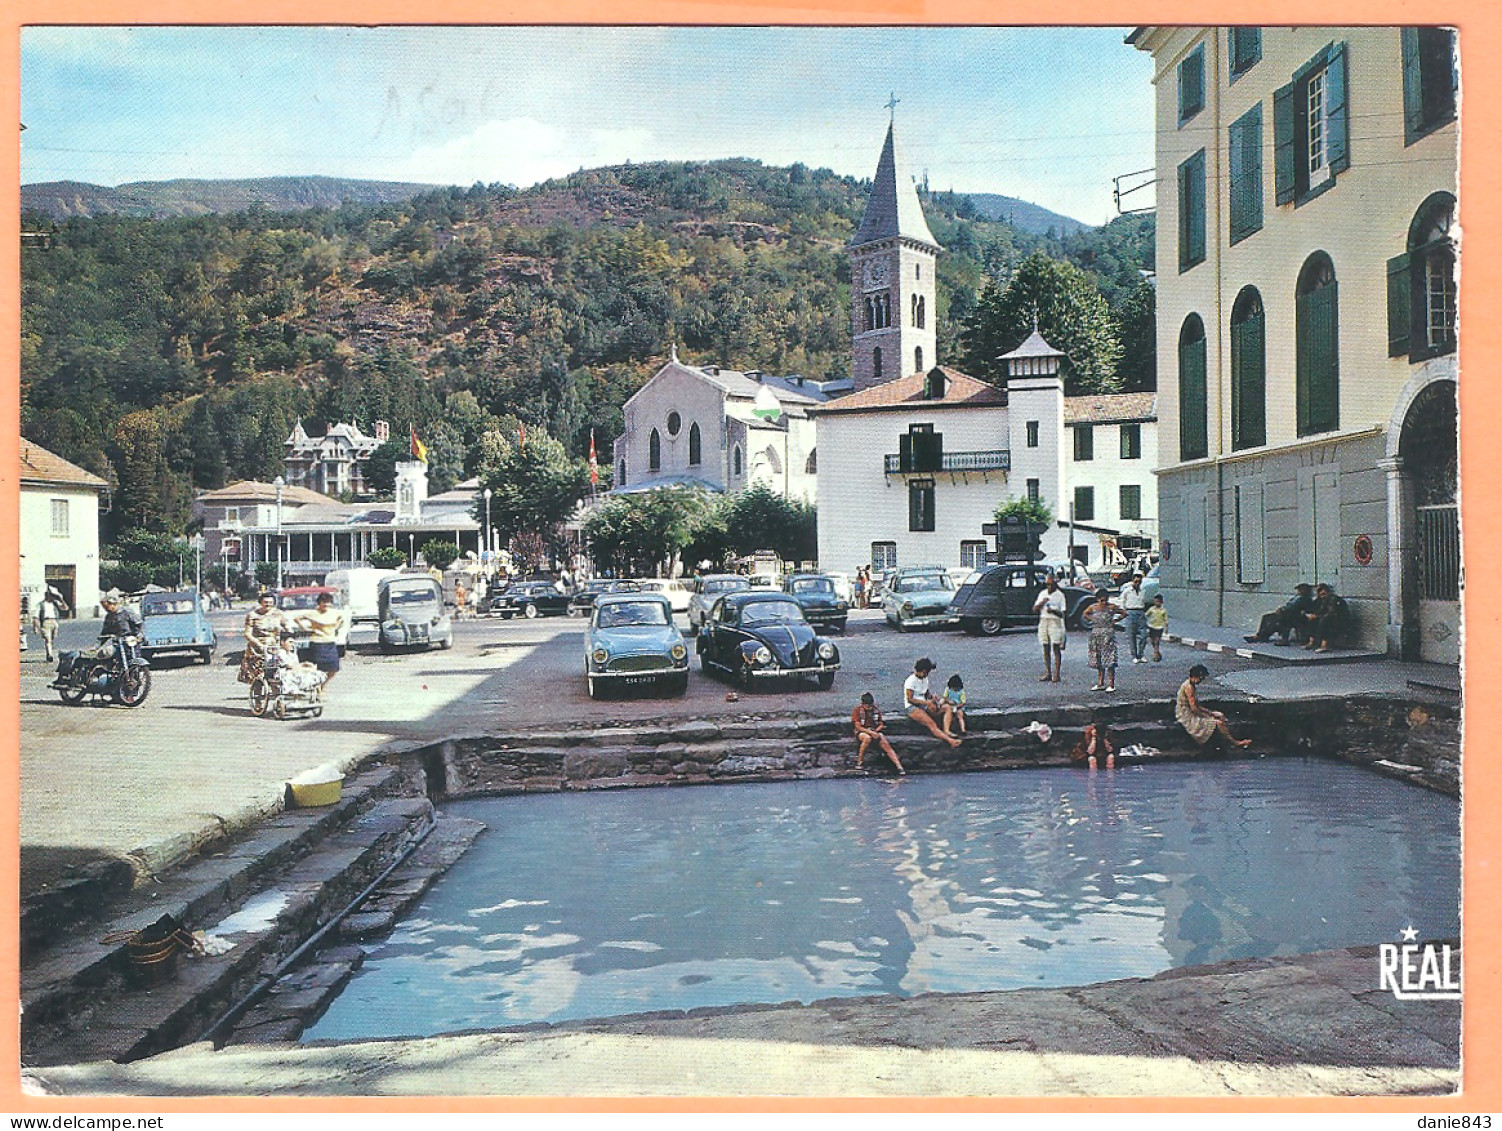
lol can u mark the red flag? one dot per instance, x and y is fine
(594, 464)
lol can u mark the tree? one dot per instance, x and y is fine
(1071, 313)
(1032, 510)
(760, 519)
(380, 467)
(387, 557)
(647, 530)
(534, 487)
(439, 554)
(1137, 315)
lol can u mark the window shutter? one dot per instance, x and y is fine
(1284, 162)
(1413, 87)
(1318, 362)
(1184, 203)
(1399, 304)
(1335, 113)
(1248, 384)
(1246, 173)
(1193, 405)
(905, 452)
(1197, 213)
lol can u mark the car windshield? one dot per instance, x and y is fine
(726, 585)
(412, 595)
(596, 586)
(925, 582)
(630, 613)
(299, 601)
(813, 585)
(162, 608)
(771, 612)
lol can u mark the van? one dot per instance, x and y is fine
(358, 588)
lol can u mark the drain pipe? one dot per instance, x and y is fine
(231, 1015)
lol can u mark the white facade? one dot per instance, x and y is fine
(59, 529)
(1353, 214)
(1117, 479)
(702, 427)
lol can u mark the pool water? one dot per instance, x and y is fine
(596, 905)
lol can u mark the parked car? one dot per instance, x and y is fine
(304, 598)
(842, 586)
(412, 613)
(632, 640)
(918, 596)
(709, 589)
(583, 597)
(763, 634)
(1001, 596)
(176, 622)
(675, 589)
(820, 600)
(532, 599)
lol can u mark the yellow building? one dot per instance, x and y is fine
(1307, 329)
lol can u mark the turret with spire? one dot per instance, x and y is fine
(892, 259)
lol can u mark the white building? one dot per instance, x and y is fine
(333, 463)
(700, 426)
(59, 529)
(1307, 304)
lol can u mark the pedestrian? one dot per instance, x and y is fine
(1201, 723)
(1329, 620)
(324, 623)
(921, 703)
(1092, 744)
(871, 727)
(461, 599)
(49, 613)
(952, 703)
(1102, 617)
(1051, 607)
(1157, 623)
(264, 625)
(1134, 601)
(860, 587)
(1288, 619)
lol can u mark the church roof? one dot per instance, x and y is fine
(892, 209)
(960, 391)
(737, 384)
(1110, 408)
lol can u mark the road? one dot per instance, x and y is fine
(112, 781)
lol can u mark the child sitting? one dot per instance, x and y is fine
(952, 703)
(869, 727)
(1095, 741)
(295, 675)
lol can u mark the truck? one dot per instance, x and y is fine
(359, 587)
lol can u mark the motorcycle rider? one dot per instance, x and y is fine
(119, 618)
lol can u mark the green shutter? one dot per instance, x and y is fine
(1284, 162)
(1192, 211)
(1318, 361)
(1399, 304)
(1336, 109)
(1248, 384)
(1193, 404)
(1246, 173)
(1413, 87)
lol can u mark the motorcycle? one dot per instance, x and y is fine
(115, 670)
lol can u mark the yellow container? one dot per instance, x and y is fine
(312, 795)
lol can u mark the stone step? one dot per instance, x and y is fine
(384, 908)
(90, 1006)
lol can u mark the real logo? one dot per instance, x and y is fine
(1416, 971)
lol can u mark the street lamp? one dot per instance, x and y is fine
(411, 554)
(485, 557)
(278, 483)
(197, 543)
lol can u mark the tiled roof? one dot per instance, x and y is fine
(250, 491)
(38, 465)
(960, 391)
(892, 210)
(1110, 408)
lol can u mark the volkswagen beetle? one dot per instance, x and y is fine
(757, 634)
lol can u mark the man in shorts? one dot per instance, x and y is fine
(1051, 607)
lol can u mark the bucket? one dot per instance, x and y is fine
(152, 952)
(317, 787)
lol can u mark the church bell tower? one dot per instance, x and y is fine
(892, 260)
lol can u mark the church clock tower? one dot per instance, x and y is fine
(892, 279)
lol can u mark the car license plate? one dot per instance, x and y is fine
(640, 679)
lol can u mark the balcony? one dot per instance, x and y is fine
(999, 459)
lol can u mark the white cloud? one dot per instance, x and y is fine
(521, 151)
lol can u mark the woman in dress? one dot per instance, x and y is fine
(1102, 617)
(1200, 722)
(264, 625)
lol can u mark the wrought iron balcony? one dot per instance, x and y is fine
(998, 459)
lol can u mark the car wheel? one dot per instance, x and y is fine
(989, 626)
(529, 611)
(206, 655)
(826, 680)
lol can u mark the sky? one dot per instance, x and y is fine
(1048, 115)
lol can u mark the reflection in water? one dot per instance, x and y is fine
(588, 906)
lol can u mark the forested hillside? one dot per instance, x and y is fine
(174, 355)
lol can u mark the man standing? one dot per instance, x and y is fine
(1134, 601)
(49, 613)
(1051, 607)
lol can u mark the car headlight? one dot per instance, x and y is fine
(826, 651)
(762, 656)
(601, 655)
(435, 621)
(907, 607)
(841, 607)
(679, 651)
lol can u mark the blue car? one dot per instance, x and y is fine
(632, 640)
(176, 622)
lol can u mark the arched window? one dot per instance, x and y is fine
(654, 451)
(1194, 432)
(1421, 290)
(774, 464)
(1248, 371)
(914, 305)
(922, 312)
(812, 466)
(876, 363)
(870, 313)
(735, 461)
(675, 422)
(918, 359)
(1317, 345)
(620, 479)
(694, 445)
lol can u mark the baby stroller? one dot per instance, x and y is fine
(283, 688)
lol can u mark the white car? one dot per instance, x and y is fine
(677, 591)
(842, 588)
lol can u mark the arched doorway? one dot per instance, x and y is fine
(1427, 448)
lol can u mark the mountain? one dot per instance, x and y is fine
(164, 199)
(1032, 218)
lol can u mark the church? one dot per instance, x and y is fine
(919, 456)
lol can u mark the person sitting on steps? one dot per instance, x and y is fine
(1330, 619)
(1287, 619)
(923, 706)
